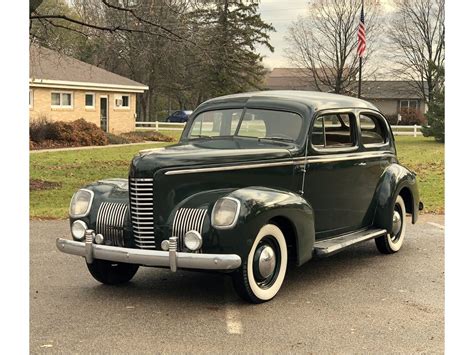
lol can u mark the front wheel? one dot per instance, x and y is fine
(262, 274)
(392, 242)
(111, 273)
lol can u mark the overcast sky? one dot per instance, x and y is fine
(281, 13)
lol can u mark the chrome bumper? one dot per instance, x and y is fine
(171, 259)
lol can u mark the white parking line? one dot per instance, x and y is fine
(232, 319)
(437, 225)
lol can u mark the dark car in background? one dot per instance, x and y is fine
(179, 116)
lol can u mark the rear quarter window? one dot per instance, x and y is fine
(373, 130)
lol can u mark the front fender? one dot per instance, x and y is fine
(108, 190)
(259, 205)
(395, 180)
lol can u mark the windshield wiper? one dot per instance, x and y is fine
(277, 139)
(198, 136)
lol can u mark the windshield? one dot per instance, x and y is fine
(256, 123)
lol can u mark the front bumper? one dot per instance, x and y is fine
(171, 259)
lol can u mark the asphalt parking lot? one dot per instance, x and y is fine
(355, 301)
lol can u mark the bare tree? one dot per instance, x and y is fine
(324, 43)
(417, 36)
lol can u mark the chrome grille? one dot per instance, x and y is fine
(187, 219)
(111, 218)
(141, 211)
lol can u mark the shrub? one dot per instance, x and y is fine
(148, 136)
(69, 134)
(41, 129)
(409, 118)
(114, 139)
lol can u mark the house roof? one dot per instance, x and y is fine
(300, 79)
(49, 68)
(274, 98)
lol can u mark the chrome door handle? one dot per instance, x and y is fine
(360, 164)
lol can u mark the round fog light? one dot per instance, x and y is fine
(78, 230)
(193, 240)
(99, 239)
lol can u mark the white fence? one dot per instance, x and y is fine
(159, 126)
(414, 131)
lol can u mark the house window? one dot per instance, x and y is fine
(31, 98)
(90, 100)
(122, 101)
(61, 99)
(409, 104)
(409, 109)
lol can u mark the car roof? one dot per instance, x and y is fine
(312, 99)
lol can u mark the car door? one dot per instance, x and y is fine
(335, 174)
(378, 151)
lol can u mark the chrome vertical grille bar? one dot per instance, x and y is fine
(111, 221)
(141, 211)
(187, 219)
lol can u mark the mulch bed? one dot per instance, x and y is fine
(36, 184)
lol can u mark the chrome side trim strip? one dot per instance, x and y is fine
(320, 159)
(150, 257)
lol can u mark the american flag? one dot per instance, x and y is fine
(361, 45)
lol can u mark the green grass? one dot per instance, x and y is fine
(73, 169)
(426, 158)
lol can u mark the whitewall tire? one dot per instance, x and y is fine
(262, 273)
(392, 242)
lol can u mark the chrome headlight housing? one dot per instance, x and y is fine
(225, 213)
(81, 203)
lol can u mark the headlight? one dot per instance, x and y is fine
(81, 203)
(193, 240)
(225, 213)
(78, 230)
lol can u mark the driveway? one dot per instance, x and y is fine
(355, 301)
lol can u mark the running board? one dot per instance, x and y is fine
(330, 246)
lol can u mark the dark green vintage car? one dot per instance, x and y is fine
(258, 181)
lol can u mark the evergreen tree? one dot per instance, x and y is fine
(435, 114)
(230, 31)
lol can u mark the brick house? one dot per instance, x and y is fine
(62, 88)
(390, 96)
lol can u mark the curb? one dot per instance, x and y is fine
(92, 147)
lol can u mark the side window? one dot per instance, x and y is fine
(333, 131)
(373, 131)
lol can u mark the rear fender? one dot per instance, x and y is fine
(395, 180)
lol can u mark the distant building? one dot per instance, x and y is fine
(65, 89)
(391, 97)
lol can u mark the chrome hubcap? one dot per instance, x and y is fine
(397, 223)
(266, 262)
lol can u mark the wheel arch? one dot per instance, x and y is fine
(291, 236)
(396, 180)
(289, 211)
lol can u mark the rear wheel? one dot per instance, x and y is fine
(392, 242)
(262, 274)
(111, 273)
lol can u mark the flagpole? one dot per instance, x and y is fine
(360, 64)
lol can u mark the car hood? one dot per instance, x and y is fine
(212, 152)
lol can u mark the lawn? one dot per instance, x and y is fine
(67, 171)
(426, 158)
